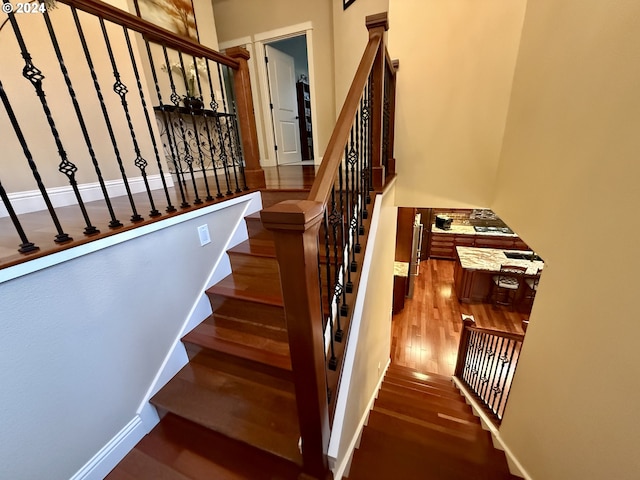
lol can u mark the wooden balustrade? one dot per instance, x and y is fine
(339, 196)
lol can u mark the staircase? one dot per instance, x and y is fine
(422, 428)
(230, 413)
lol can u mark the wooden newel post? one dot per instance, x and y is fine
(377, 24)
(465, 336)
(246, 118)
(391, 170)
(295, 225)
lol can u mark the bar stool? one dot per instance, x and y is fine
(506, 284)
(531, 288)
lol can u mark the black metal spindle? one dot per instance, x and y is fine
(335, 219)
(327, 254)
(214, 107)
(506, 388)
(83, 127)
(491, 356)
(344, 248)
(228, 122)
(205, 123)
(491, 393)
(26, 246)
(239, 155)
(364, 191)
(35, 77)
(135, 216)
(358, 183)
(467, 361)
(222, 154)
(154, 212)
(502, 380)
(482, 353)
(328, 315)
(61, 237)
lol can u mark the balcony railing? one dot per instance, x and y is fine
(100, 103)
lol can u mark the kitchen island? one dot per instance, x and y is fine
(475, 268)
(444, 242)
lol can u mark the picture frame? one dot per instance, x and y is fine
(177, 16)
(346, 4)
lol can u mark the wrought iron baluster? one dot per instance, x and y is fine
(26, 246)
(484, 339)
(486, 377)
(35, 77)
(175, 99)
(508, 363)
(466, 373)
(135, 217)
(336, 220)
(364, 190)
(229, 124)
(344, 249)
(221, 144)
(61, 237)
(85, 133)
(238, 146)
(214, 107)
(154, 212)
(328, 315)
(358, 182)
(205, 122)
(121, 90)
(490, 397)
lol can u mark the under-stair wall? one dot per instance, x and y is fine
(83, 341)
(369, 336)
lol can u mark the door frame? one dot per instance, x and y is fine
(259, 84)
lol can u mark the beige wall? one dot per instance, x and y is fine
(244, 18)
(350, 37)
(457, 59)
(568, 181)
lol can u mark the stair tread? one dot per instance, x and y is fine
(401, 371)
(243, 344)
(439, 390)
(255, 246)
(248, 287)
(233, 404)
(138, 465)
(202, 454)
(426, 398)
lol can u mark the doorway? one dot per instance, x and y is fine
(287, 68)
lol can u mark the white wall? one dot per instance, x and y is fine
(369, 342)
(568, 182)
(82, 342)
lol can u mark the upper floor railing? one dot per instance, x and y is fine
(99, 103)
(487, 361)
(320, 242)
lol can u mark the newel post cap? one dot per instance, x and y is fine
(298, 215)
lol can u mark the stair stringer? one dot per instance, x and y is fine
(177, 357)
(515, 467)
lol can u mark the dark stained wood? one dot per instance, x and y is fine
(377, 99)
(246, 119)
(295, 226)
(426, 333)
(404, 233)
(463, 346)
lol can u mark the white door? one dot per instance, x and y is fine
(284, 111)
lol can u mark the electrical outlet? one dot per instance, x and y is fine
(203, 232)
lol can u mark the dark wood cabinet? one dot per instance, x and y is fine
(304, 120)
(443, 245)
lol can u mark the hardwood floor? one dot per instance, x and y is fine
(426, 332)
(40, 229)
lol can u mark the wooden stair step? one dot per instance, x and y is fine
(257, 257)
(255, 229)
(479, 451)
(249, 288)
(453, 403)
(137, 465)
(259, 314)
(202, 454)
(273, 196)
(406, 373)
(439, 390)
(240, 343)
(461, 412)
(383, 455)
(236, 405)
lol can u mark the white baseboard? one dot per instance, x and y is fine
(31, 200)
(110, 455)
(342, 468)
(515, 467)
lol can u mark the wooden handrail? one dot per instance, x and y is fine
(518, 337)
(333, 154)
(150, 31)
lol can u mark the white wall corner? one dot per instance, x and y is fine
(515, 467)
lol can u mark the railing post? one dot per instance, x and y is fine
(465, 335)
(391, 167)
(295, 225)
(377, 24)
(246, 119)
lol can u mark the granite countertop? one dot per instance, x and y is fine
(469, 230)
(490, 259)
(401, 269)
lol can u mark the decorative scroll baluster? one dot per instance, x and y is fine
(222, 149)
(61, 237)
(26, 246)
(35, 77)
(189, 159)
(121, 90)
(76, 106)
(490, 359)
(344, 252)
(229, 124)
(209, 197)
(364, 189)
(214, 107)
(170, 208)
(238, 147)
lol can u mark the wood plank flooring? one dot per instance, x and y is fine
(426, 332)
